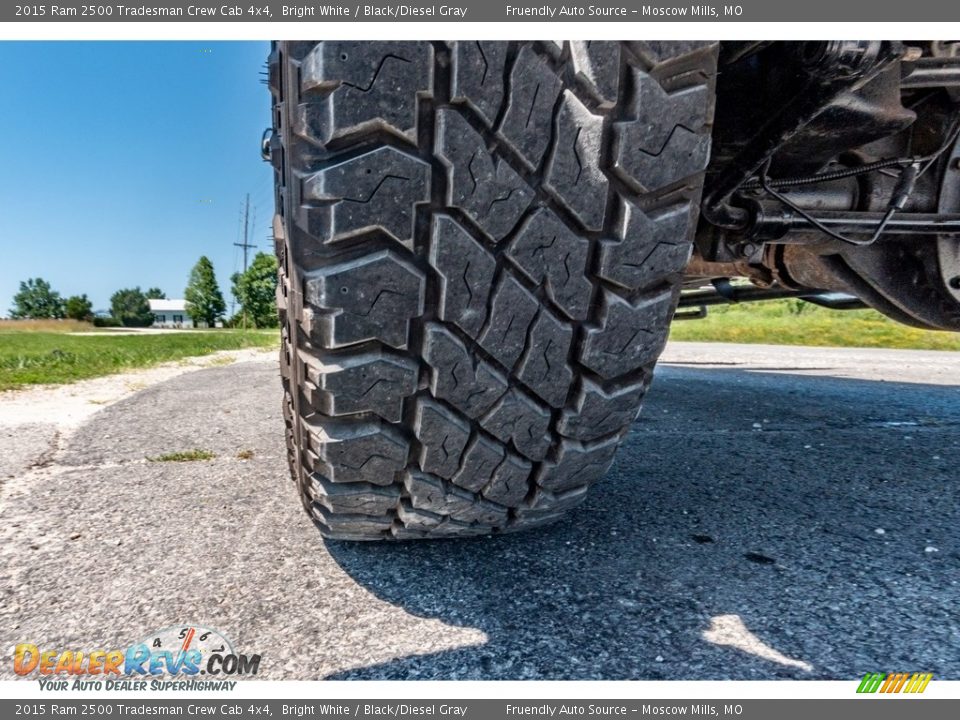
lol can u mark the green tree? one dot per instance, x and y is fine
(256, 291)
(155, 294)
(204, 300)
(79, 307)
(131, 308)
(36, 301)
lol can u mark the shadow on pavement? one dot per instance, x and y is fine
(754, 526)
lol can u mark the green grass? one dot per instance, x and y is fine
(30, 357)
(792, 322)
(184, 456)
(53, 326)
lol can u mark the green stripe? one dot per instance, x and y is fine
(871, 682)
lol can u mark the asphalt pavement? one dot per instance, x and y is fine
(775, 513)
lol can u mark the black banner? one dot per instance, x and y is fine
(875, 708)
(616, 11)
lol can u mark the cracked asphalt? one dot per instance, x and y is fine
(776, 513)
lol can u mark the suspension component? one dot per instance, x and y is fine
(827, 69)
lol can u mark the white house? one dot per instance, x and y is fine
(170, 314)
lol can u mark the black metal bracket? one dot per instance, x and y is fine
(933, 72)
(703, 297)
(774, 222)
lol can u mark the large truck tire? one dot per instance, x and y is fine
(480, 249)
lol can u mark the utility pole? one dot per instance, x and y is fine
(246, 230)
(246, 243)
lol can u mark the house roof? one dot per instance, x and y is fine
(168, 306)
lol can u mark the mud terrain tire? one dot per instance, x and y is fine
(480, 247)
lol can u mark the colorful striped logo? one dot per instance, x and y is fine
(894, 682)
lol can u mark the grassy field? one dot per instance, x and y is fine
(792, 322)
(53, 326)
(39, 353)
(64, 351)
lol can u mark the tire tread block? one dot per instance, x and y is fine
(466, 273)
(378, 190)
(573, 172)
(486, 188)
(665, 138)
(357, 86)
(630, 336)
(478, 76)
(367, 452)
(469, 384)
(351, 526)
(547, 251)
(546, 507)
(576, 465)
(597, 65)
(651, 246)
(534, 89)
(442, 435)
(511, 481)
(374, 382)
(361, 498)
(512, 311)
(481, 460)
(433, 495)
(518, 419)
(597, 413)
(544, 367)
(373, 297)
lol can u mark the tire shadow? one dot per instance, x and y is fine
(755, 525)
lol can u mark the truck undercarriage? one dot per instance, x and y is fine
(834, 177)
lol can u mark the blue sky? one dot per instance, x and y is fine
(121, 163)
